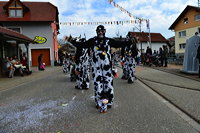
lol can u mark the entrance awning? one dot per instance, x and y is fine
(7, 34)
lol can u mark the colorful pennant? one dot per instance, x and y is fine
(103, 23)
(136, 20)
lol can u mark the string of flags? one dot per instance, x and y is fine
(135, 20)
(103, 23)
(127, 12)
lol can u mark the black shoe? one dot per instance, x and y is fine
(109, 106)
(130, 81)
(76, 87)
(122, 77)
(97, 107)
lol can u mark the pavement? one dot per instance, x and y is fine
(17, 80)
(177, 69)
(140, 108)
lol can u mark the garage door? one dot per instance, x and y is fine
(46, 56)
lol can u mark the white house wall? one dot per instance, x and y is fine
(32, 29)
(154, 46)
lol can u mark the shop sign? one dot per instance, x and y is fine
(40, 40)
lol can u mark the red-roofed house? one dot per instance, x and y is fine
(156, 39)
(36, 20)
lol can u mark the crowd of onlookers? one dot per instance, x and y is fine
(13, 65)
(158, 58)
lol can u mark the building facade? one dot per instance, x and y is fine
(38, 21)
(152, 40)
(185, 26)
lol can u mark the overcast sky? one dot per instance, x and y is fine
(161, 13)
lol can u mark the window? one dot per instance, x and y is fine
(15, 10)
(182, 34)
(15, 29)
(182, 46)
(185, 20)
(197, 17)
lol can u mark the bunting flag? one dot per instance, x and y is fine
(98, 23)
(135, 20)
(127, 12)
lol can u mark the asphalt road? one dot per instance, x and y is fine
(52, 105)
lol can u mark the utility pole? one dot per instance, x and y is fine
(148, 27)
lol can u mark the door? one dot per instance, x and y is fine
(46, 56)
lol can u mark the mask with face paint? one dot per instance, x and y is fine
(100, 31)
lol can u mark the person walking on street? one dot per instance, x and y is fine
(40, 63)
(102, 64)
(130, 63)
(82, 68)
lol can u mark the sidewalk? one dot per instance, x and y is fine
(176, 69)
(6, 83)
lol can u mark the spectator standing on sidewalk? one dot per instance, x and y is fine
(138, 56)
(165, 55)
(160, 53)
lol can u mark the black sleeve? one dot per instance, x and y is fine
(134, 51)
(78, 54)
(84, 44)
(123, 51)
(118, 44)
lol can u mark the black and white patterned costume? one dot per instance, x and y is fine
(82, 66)
(66, 65)
(102, 64)
(130, 64)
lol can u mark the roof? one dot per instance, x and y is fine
(7, 33)
(182, 15)
(171, 38)
(38, 11)
(8, 3)
(144, 36)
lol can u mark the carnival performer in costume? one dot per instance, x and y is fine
(130, 64)
(82, 68)
(102, 65)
